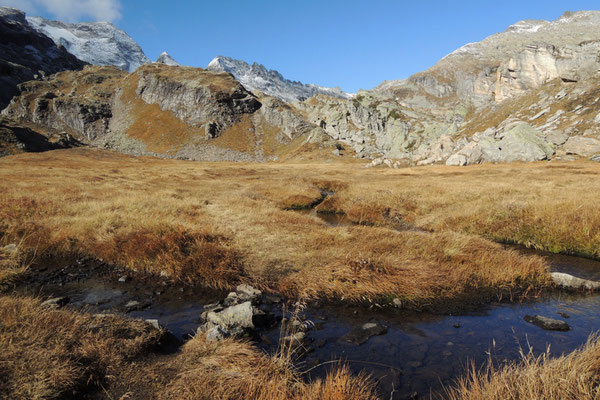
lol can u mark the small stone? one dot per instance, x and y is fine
(456, 325)
(572, 282)
(56, 302)
(546, 323)
(563, 314)
(397, 302)
(154, 323)
(361, 334)
(123, 279)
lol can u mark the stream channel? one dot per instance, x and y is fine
(418, 355)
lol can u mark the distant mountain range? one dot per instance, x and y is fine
(529, 93)
(257, 78)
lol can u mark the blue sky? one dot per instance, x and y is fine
(351, 44)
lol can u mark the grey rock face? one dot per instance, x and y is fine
(193, 100)
(98, 43)
(582, 146)
(256, 77)
(26, 54)
(546, 323)
(84, 114)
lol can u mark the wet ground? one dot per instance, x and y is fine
(420, 352)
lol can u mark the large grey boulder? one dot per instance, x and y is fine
(523, 143)
(572, 282)
(233, 319)
(582, 146)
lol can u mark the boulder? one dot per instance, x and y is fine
(361, 334)
(582, 146)
(572, 282)
(233, 319)
(457, 160)
(246, 292)
(523, 143)
(546, 323)
(557, 138)
(595, 158)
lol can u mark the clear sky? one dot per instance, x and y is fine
(351, 44)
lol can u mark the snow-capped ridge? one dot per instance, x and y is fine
(98, 43)
(257, 77)
(165, 58)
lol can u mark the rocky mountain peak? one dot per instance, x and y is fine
(257, 77)
(98, 43)
(27, 54)
(165, 58)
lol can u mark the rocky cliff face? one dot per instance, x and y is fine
(162, 110)
(256, 77)
(97, 43)
(480, 103)
(26, 54)
(527, 55)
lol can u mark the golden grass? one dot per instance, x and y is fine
(51, 354)
(230, 370)
(575, 376)
(218, 223)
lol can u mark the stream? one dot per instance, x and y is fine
(418, 355)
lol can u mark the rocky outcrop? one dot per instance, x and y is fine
(582, 146)
(16, 138)
(26, 54)
(196, 97)
(78, 103)
(167, 111)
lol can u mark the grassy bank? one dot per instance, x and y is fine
(58, 354)
(572, 376)
(220, 224)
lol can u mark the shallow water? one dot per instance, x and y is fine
(420, 353)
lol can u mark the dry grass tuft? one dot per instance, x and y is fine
(230, 370)
(572, 376)
(48, 354)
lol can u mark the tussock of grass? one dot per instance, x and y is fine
(230, 370)
(572, 376)
(49, 354)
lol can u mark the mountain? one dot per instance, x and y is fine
(98, 43)
(26, 54)
(256, 77)
(167, 111)
(528, 93)
(166, 59)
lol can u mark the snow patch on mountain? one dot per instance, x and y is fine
(98, 43)
(166, 59)
(256, 77)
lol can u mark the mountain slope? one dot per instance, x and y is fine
(98, 43)
(26, 54)
(167, 111)
(256, 77)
